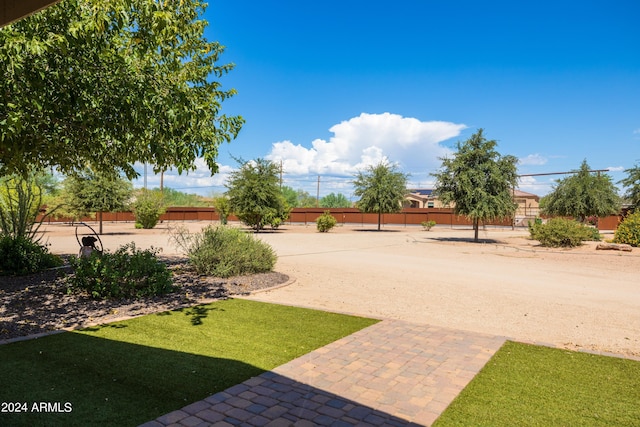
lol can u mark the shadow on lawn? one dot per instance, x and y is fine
(95, 381)
(196, 313)
(108, 382)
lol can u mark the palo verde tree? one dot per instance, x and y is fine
(582, 195)
(255, 196)
(381, 189)
(478, 181)
(109, 83)
(632, 185)
(91, 192)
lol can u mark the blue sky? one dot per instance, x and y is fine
(329, 87)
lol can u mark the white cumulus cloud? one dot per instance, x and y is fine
(366, 140)
(533, 159)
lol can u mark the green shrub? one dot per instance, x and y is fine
(21, 255)
(127, 273)
(222, 206)
(629, 230)
(561, 232)
(225, 251)
(325, 222)
(427, 225)
(147, 209)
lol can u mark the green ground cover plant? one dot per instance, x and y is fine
(128, 272)
(562, 232)
(225, 251)
(526, 385)
(21, 255)
(427, 225)
(127, 373)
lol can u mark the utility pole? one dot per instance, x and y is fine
(318, 193)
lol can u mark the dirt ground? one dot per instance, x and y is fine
(507, 285)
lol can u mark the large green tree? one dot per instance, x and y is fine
(109, 83)
(91, 192)
(333, 200)
(478, 181)
(381, 189)
(255, 196)
(632, 184)
(582, 195)
(298, 198)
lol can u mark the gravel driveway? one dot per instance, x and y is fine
(579, 298)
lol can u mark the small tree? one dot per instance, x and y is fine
(255, 196)
(91, 192)
(478, 181)
(582, 195)
(381, 189)
(632, 184)
(221, 204)
(333, 200)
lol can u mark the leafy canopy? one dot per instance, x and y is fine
(582, 195)
(381, 189)
(89, 192)
(478, 181)
(255, 196)
(333, 200)
(111, 83)
(298, 198)
(632, 184)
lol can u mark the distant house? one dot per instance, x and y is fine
(528, 203)
(421, 198)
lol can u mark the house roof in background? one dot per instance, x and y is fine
(421, 191)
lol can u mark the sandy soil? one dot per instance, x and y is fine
(508, 285)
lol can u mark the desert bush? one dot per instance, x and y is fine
(325, 222)
(147, 209)
(561, 232)
(21, 255)
(225, 251)
(427, 225)
(126, 273)
(629, 230)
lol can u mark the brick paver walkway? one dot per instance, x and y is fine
(393, 373)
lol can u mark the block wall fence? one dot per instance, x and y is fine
(408, 216)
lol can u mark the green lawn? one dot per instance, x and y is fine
(127, 373)
(526, 385)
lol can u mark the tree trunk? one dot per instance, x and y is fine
(100, 218)
(475, 230)
(379, 218)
